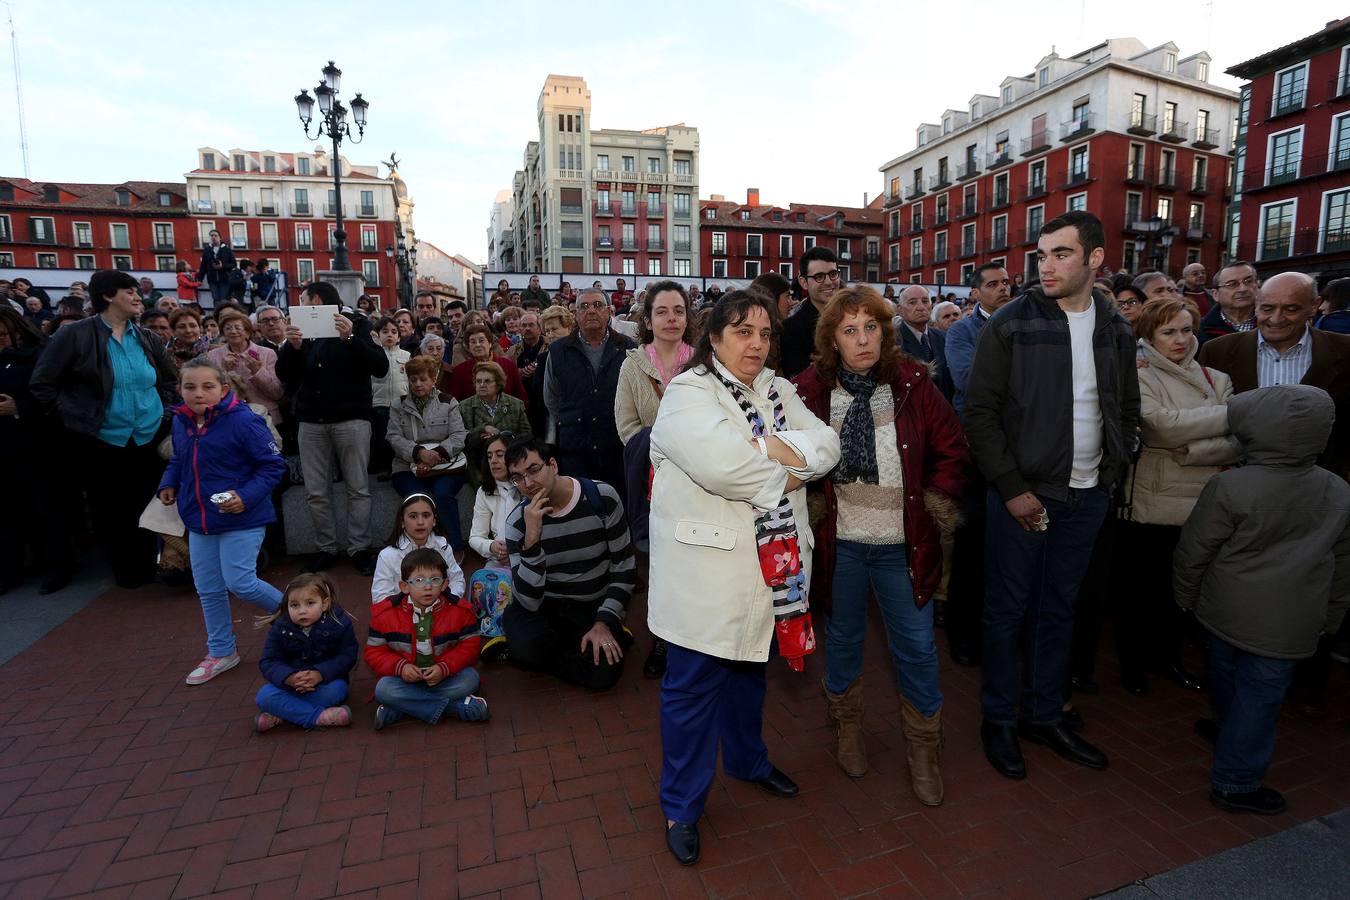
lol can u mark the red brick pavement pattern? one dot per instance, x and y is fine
(117, 780)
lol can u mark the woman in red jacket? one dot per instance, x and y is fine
(481, 343)
(893, 492)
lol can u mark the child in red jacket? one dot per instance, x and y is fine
(423, 644)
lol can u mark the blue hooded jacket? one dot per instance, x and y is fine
(232, 450)
(330, 648)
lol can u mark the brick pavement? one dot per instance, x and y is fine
(117, 780)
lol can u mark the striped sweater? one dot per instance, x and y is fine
(583, 556)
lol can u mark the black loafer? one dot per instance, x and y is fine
(364, 562)
(1065, 743)
(1003, 751)
(778, 784)
(1183, 679)
(1263, 801)
(683, 843)
(1071, 719)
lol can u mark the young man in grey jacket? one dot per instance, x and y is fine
(1264, 560)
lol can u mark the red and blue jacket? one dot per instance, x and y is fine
(231, 450)
(455, 636)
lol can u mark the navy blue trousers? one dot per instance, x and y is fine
(707, 701)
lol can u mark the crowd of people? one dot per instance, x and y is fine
(1010, 469)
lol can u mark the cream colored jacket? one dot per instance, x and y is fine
(1179, 410)
(635, 402)
(706, 590)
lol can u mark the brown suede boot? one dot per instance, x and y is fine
(924, 739)
(845, 712)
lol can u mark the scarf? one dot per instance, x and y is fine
(683, 356)
(780, 558)
(858, 435)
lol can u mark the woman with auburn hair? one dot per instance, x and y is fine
(894, 493)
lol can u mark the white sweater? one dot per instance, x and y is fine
(387, 575)
(489, 517)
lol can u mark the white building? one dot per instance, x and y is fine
(501, 222)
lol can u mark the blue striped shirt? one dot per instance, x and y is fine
(1289, 367)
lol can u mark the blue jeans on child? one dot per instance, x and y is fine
(444, 489)
(909, 630)
(224, 564)
(422, 701)
(301, 709)
(1246, 691)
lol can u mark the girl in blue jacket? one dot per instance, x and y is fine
(308, 657)
(224, 467)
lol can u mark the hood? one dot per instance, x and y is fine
(1284, 425)
(228, 403)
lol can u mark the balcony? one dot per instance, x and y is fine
(1038, 141)
(571, 243)
(605, 243)
(236, 209)
(267, 209)
(628, 211)
(680, 213)
(629, 244)
(1303, 243)
(1078, 127)
(915, 260)
(304, 245)
(1202, 185)
(1290, 101)
(654, 177)
(1282, 173)
(368, 212)
(1033, 190)
(1195, 231)
(969, 248)
(1032, 234)
(203, 206)
(998, 242)
(892, 232)
(679, 178)
(1206, 139)
(916, 225)
(1000, 197)
(1136, 173)
(1167, 179)
(655, 209)
(570, 209)
(969, 207)
(602, 174)
(998, 159)
(893, 263)
(1142, 124)
(914, 190)
(330, 209)
(1080, 176)
(604, 209)
(682, 246)
(300, 209)
(1176, 134)
(940, 254)
(1339, 86)
(967, 169)
(163, 247)
(872, 257)
(940, 219)
(656, 244)
(939, 181)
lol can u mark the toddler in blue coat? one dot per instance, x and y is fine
(309, 655)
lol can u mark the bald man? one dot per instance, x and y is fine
(1193, 287)
(914, 308)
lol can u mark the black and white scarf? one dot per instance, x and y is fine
(858, 434)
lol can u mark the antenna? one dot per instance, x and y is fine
(18, 85)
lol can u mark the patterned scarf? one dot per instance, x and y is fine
(780, 558)
(858, 435)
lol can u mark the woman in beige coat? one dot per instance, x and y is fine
(1184, 432)
(732, 447)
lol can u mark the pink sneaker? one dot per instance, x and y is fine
(266, 722)
(334, 717)
(211, 667)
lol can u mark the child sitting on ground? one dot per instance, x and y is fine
(423, 644)
(416, 525)
(309, 655)
(1264, 560)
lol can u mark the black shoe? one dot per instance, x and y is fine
(1208, 730)
(655, 666)
(1263, 801)
(174, 577)
(778, 784)
(320, 562)
(364, 562)
(1071, 719)
(53, 583)
(962, 654)
(1135, 682)
(1002, 750)
(1064, 742)
(939, 613)
(1084, 685)
(683, 843)
(1183, 679)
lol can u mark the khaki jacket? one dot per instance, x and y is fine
(636, 400)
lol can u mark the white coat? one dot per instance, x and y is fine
(489, 517)
(707, 592)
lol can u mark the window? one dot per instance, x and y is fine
(121, 263)
(653, 164)
(681, 268)
(683, 167)
(1192, 255)
(367, 203)
(84, 234)
(1201, 124)
(166, 263)
(1195, 219)
(602, 202)
(629, 266)
(302, 201)
(1169, 62)
(1339, 158)
(164, 235)
(1167, 167)
(628, 164)
(719, 242)
(204, 229)
(940, 276)
(602, 265)
(969, 199)
(304, 237)
(48, 260)
(967, 273)
(785, 269)
(165, 198)
(1336, 222)
(680, 205)
(916, 217)
(653, 237)
(940, 246)
(1138, 108)
(745, 215)
(82, 260)
(1036, 178)
(719, 268)
(238, 162)
(1199, 173)
(1035, 221)
(785, 246)
(1134, 205)
(1202, 71)
(1078, 164)
(843, 248)
(968, 239)
(209, 161)
(602, 161)
(754, 245)
(7, 233)
(752, 268)
(940, 216)
(369, 242)
(1043, 78)
(1007, 95)
(653, 203)
(236, 200)
(1290, 86)
(304, 270)
(1134, 164)
(1169, 117)
(629, 236)
(1000, 233)
(371, 269)
(1276, 240)
(269, 163)
(42, 230)
(302, 165)
(1284, 153)
(605, 239)
(654, 266)
(974, 109)
(1165, 208)
(266, 205)
(629, 203)
(238, 235)
(1030, 266)
(893, 258)
(1081, 115)
(120, 235)
(51, 194)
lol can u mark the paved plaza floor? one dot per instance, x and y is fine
(117, 780)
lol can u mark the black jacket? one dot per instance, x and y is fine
(330, 377)
(1019, 399)
(207, 272)
(73, 378)
(20, 434)
(585, 411)
(937, 355)
(797, 340)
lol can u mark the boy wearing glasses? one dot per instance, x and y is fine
(423, 644)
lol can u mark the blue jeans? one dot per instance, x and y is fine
(422, 701)
(444, 489)
(224, 564)
(909, 630)
(1246, 691)
(301, 709)
(707, 701)
(1032, 580)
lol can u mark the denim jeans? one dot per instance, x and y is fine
(351, 442)
(422, 701)
(909, 630)
(1246, 691)
(301, 709)
(224, 564)
(1032, 580)
(444, 489)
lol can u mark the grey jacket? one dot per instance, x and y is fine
(1264, 559)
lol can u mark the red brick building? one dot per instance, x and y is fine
(745, 240)
(1293, 195)
(134, 225)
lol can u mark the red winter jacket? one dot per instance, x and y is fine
(454, 636)
(933, 455)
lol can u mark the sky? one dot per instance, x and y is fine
(804, 99)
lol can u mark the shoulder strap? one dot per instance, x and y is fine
(592, 495)
(1204, 371)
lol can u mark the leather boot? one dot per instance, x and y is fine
(923, 737)
(845, 712)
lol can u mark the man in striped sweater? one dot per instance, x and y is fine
(573, 571)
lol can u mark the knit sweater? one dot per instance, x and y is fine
(872, 513)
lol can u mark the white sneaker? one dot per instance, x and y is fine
(211, 667)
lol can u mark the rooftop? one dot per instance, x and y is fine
(96, 196)
(1334, 32)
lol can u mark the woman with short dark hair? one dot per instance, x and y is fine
(481, 344)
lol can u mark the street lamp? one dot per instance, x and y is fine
(333, 123)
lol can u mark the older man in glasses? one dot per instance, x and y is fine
(1235, 290)
(819, 278)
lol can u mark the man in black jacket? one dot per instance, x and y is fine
(819, 278)
(1052, 411)
(216, 265)
(330, 380)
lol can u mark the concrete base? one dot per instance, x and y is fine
(350, 285)
(384, 502)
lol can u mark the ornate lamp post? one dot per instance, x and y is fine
(333, 123)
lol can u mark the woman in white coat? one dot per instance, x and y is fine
(730, 555)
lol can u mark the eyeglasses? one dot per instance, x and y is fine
(528, 474)
(1249, 281)
(582, 307)
(1135, 302)
(435, 581)
(822, 277)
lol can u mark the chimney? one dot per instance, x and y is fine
(719, 198)
(865, 199)
(752, 196)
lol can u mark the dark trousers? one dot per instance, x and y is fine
(381, 454)
(1032, 583)
(220, 290)
(549, 640)
(36, 513)
(1246, 691)
(1150, 627)
(1093, 598)
(965, 590)
(602, 465)
(707, 702)
(118, 483)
